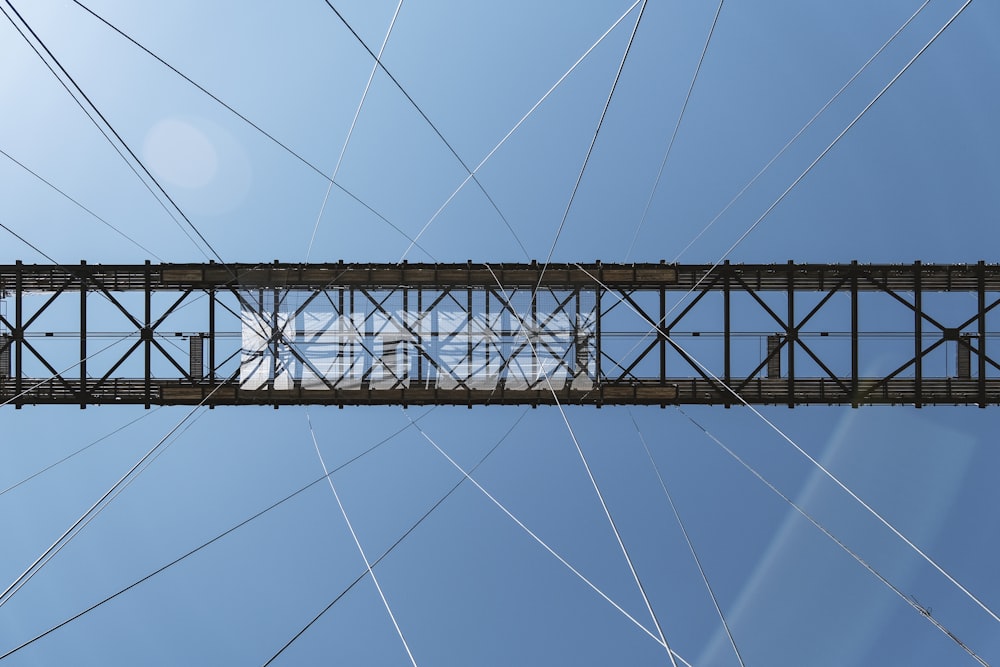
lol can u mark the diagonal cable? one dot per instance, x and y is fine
(802, 130)
(673, 135)
(687, 539)
(245, 119)
(427, 119)
(350, 131)
(357, 542)
(107, 124)
(78, 204)
(236, 527)
(517, 125)
(579, 575)
(402, 537)
(906, 598)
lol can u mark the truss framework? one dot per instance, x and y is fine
(467, 334)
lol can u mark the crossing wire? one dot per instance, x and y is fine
(67, 196)
(427, 119)
(89, 103)
(220, 536)
(906, 598)
(468, 475)
(687, 539)
(590, 149)
(273, 139)
(357, 542)
(518, 124)
(350, 131)
(677, 127)
(802, 130)
(412, 423)
(98, 506)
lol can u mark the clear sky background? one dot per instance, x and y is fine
(916, 178)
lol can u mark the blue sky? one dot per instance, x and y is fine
(915, 178)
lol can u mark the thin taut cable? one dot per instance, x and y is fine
(467, 475)
(350, 131)
(687, 539)
(906, 598)
(517, 125)
(801, 131)
(427, 119)
(357, 542)
(673, 135)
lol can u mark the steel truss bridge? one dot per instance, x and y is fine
(472, 334)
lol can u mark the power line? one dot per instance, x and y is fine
(673, 135)
(518, 124)
(908, 599)
(802, 130)
(429, 122)
(67, 196)
(357, 542)
(687, 539)
(248, 121)
(79, 92)
(413, 423)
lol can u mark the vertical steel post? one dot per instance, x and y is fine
(791, 334)
(855, 388)
(83, 335)
(663, 339)
(18, 335)
(981, 269)
(211, 335)
(147, 335)
(918, 337)
(727, 371)
(597, 329)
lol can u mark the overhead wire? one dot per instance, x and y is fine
(350, 131)
(468, 475)
(518, 124)
(79, 205)
(906, 598)
(98, 506)
(49, 556)
(715, 265)
(357, 542)
(215, 539)
(79, 97)
(687, 539)
(402, 537)
(37, 473)
(802, 130)
(427, 119)
(673, 135)
(756, 223)
(273, 139)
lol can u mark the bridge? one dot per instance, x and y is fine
(478, 334)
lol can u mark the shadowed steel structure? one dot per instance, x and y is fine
(471, 334)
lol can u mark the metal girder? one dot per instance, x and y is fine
(476, 334)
